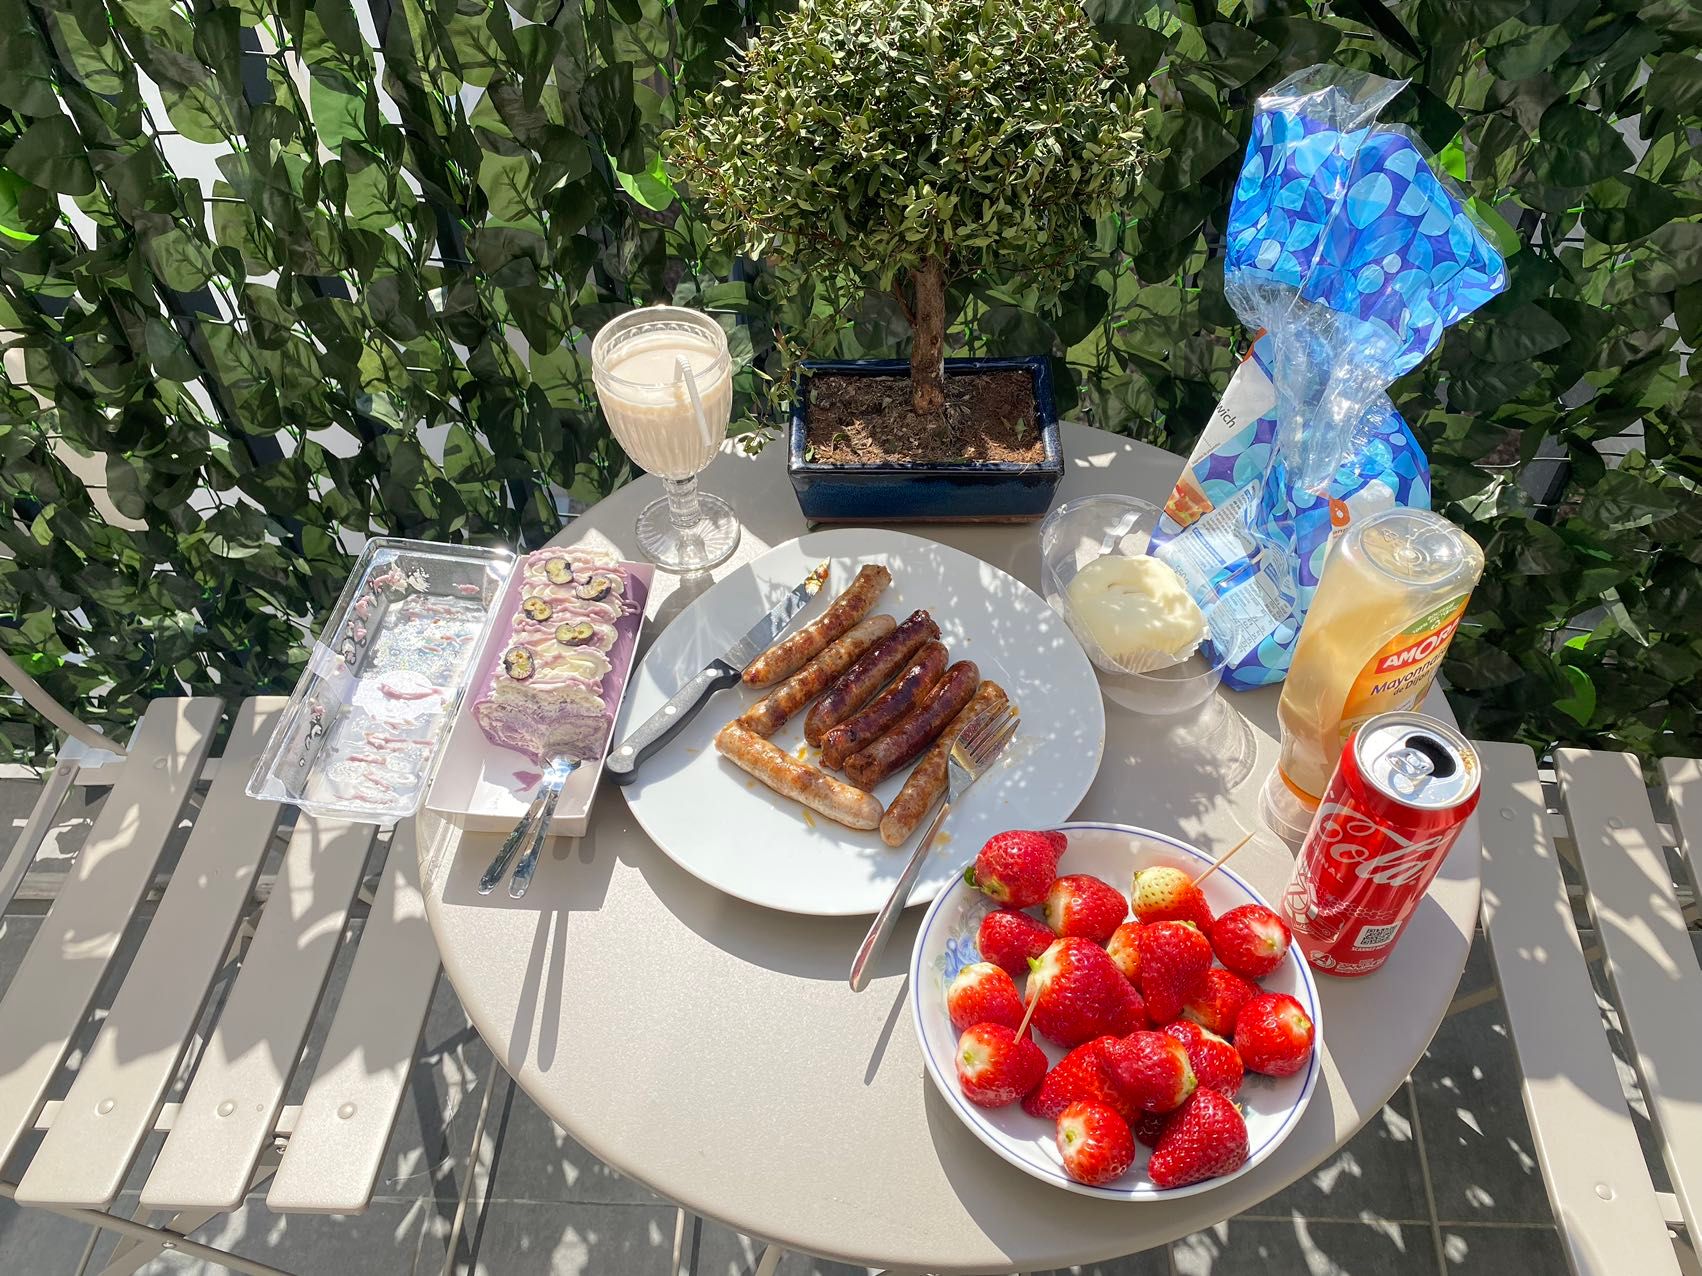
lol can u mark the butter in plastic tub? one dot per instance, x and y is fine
(1137, 610)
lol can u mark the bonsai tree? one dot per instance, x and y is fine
(912, 142)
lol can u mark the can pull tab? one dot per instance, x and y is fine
(1418, 760)
(1410, 768)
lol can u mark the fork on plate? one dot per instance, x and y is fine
(972, 754)
(532, 831)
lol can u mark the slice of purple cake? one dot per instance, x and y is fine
(555, 684)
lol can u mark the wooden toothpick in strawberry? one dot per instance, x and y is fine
(1223, 859)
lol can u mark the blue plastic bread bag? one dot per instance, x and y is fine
(1352, 255)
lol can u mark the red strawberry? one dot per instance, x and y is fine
(1079, 1075)
(982, 993)
(1250, 940)
(1095, 1142)
(1205, 1139)
(1084, 906)
(1149, 1127)
(1009, 937)
(1150, 1071)
(1131, 1015)
(1216, 1063)
(1078, 993)
(1164, 894)
(1017, 868)
(1218, 1000)
(1174, 957)
(994, 1068)
(1273, 1034)
(1125, 951)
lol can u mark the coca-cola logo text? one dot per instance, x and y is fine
(1345, 831)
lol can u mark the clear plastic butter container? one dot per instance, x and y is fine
(1091, 527)
(362, 733)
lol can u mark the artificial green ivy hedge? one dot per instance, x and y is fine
(331, 265)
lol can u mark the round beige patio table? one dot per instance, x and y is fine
(712, 1049)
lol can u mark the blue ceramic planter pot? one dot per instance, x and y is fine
(927, 492)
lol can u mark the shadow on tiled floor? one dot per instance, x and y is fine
(1442, 1181)
(544, 1206)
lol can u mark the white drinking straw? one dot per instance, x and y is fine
(685, 374)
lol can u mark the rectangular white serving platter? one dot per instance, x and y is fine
(486, 788)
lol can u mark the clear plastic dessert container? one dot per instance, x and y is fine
(363, 731)
(1091, 527)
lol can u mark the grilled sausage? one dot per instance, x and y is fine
(916, 730)
(791, 778)
(862, 729)
(873, 670)
(927, 783)
(769, 714)
(791, 654)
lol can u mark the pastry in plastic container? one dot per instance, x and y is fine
(554, 688)
(548, 683)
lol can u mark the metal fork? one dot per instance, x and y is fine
(532, 831)
(972, 754)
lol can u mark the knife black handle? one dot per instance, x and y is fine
(660, 727)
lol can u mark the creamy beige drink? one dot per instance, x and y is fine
(664, 378)
(648, 404)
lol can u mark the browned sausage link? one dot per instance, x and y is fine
(916, 730)
(769, 714)
(873, 670)
(791, 654)
(927, 783)
(863, 729)
(786, 775)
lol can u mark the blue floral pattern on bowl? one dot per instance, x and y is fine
(961, 950)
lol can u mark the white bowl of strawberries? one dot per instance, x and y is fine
(1108, 1025)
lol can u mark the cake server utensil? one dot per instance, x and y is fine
(532, 831)
(723, 671)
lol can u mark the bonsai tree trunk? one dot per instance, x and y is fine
(927, 352)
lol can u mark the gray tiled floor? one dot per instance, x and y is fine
(1476, 1138)
(1498, 1251)
(1260, 1246)
(1441, 1182)
(1379, 1174)
(544, 1206)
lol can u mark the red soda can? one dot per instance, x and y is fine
(1405, 786)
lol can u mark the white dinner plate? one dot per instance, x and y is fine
(741, 837)
(1110, 852)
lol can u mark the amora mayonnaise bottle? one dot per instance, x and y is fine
(1391, 596)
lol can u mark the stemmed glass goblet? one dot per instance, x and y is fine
(664, 378)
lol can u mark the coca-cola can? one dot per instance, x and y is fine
(1405, 786)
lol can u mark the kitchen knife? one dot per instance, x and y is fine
(723, 671)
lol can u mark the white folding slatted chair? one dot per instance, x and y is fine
(1610, 1215)
(232, 1131)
